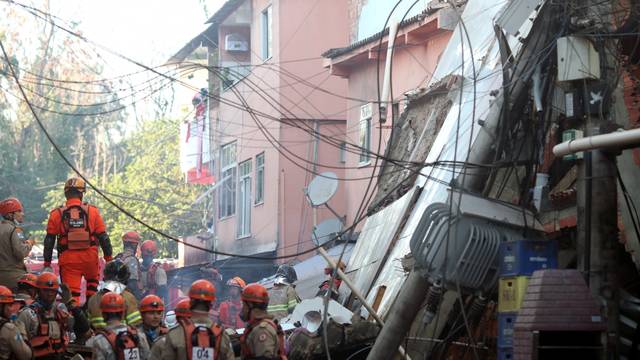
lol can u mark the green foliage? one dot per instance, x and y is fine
(150, 187)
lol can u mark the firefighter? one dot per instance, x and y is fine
(27, 290)
(78, 228)
(283, 296)
(117, 341)
(12, 344)
(152, 275)
(181, 312)
(230, 309)
(325, 286)
(47, 322)
(198, 337)
(152, 310)
(116, 274)
(262, 338)
(14, 245)
(130, 241)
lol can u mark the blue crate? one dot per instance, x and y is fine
(523, 257)
(505, 329)
(505, 353)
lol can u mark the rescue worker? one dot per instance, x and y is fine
(78, 228)
(130, 241)
(116, 274)
(180, 313)
(231, 308)
(12, 344)
(48, 323)
(152, 275)
(198, 337)
(27, 289)
(262, 338)
(14, 245)
(117, 341)
(325, 286)
(282, 296)
(152, 310)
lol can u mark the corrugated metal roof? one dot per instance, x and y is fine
(224, 11)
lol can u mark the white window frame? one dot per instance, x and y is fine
(266, 34)
(259, 198)
(366, 114)
(244, 199)
(227, 193)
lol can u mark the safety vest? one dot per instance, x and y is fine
(229, 311)
(247, 352)
(124, 344)
(76, 234)
(201, 342)
(151, 286)
(43, 345)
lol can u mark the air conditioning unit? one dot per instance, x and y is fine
(235, 42)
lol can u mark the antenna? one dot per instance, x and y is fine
(326, 230)
(322, 188)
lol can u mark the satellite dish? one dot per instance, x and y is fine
(326, 230)
(322, 188)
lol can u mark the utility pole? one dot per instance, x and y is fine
(597, 201)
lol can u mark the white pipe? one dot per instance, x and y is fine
(620, 139)
(386, 83)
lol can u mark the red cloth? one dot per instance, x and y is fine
(230, 314)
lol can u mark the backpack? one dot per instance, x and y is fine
(248, 353)
(125, 344)
(76, 231)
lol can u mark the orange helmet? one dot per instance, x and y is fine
(10, 205)
(28, 279)
(47, 280)
(151, 303)
(148, 248)
(6, 296)
(131, 237)
(236, 282)
(255, 293)
(183, 308)
(75, 183)
(202, 290)
(112, 303)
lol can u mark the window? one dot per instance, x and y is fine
(260, 178)
(244, 199)
(365, 132)
(227, 190)
(267, 33)
(343, 152)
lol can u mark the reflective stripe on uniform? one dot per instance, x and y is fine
(97, 322)
(277, 307)
(292, 303)
(133, 317)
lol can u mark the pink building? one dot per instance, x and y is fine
(421, 38)
(271, 95)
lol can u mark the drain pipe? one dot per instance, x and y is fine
(621, 139)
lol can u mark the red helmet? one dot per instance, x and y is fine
(148, 248)
(47, 280)
(28, 279)
(10, 205)
(75, 183)
(131, 237)
(183, 308)
(202, 290)
(255, 293)
(151, 303)
(236, 282)
(112, 303)
(6, 296)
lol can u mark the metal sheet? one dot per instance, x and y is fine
(373, 243)
(459, 124)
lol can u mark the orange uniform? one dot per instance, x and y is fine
(77, 257)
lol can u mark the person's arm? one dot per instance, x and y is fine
(53, 230)
(20, 244)
(100, 231)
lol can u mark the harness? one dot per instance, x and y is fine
(124, 344)
(247, 352)
(76, 234)
(202, 343)
(42, 344)
(230, 317)
(152, 287)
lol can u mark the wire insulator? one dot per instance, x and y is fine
(477, 308)
(434, 296)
